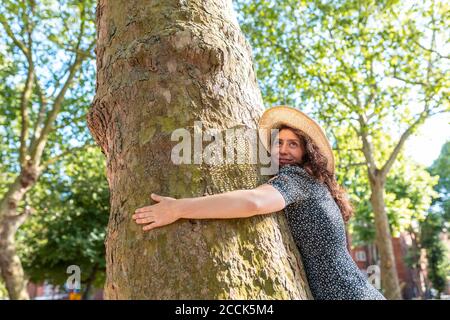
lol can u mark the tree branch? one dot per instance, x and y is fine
(58, 157)
(19, 219)
(25, 96)
(41, 114)
(405, 135)
(38, 146)
(71, 120)
(16, 41)
(25, 119)
(356, 164)
(367, 146)
(440, 55)
(416, 83)
(422, 117)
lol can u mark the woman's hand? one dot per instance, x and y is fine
(157, 215)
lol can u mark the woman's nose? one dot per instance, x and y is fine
(283, 148)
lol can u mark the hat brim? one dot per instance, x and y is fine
(285, 115)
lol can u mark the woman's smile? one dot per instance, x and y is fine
(285, 161)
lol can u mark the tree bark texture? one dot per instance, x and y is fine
(161, 65)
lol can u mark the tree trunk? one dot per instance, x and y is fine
(389, 277)
(89, 281)
(417, 268)
(10, 265)
(161, 66)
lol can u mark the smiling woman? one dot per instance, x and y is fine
(316, 207)
(288, 147)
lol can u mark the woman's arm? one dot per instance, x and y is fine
(234, 204)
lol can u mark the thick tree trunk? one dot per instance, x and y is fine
(161, 66)
(389, 277)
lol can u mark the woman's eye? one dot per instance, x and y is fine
(293, 144)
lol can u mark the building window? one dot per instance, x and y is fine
(360, 256)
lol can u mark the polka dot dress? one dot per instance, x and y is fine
(318, 229)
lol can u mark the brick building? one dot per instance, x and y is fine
(413, 281)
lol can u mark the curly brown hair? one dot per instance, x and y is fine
(315, 163)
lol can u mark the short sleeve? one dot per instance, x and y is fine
(293, 183)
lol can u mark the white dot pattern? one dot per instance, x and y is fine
(318, 229)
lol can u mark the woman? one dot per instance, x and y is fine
(305, 187)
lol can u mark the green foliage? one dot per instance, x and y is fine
(439, 267)
(47, 37)
(3, 292)
(68, 227)
(441, 168)
(437, 222)
(373, 67)
(437, 252)
(340, 60)
(56, 28)
(408, 196)
(345, 59)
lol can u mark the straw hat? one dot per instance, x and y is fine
(273, 117)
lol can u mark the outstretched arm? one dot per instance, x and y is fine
(229, 205)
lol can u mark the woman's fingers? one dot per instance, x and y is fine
(150, 226)
(142, 215)
(143, 209)
(156, 197)
(159, 198)
(145, 220)
(155, 215)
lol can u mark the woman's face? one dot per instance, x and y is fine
(287, 148)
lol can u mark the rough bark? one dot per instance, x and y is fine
(162, 65)
(389, 277)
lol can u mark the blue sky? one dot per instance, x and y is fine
(426, 144)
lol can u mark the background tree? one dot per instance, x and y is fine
(68, 227)
(46, 48)
(409, 194)
(370, 66)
